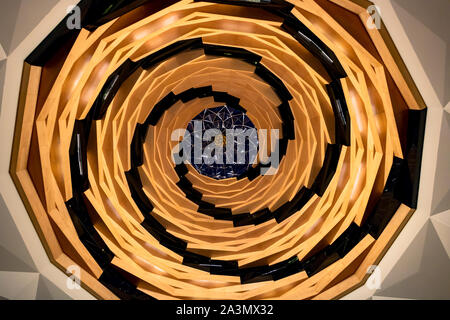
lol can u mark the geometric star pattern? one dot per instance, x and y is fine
(223, 119)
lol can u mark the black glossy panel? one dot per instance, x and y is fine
(184, 183)
(172, 243)
(188, 95)
(111, 86)
(387, 205)
(285, 111)
(150, 223)
(283, 144)
(242, 219)
(166, 239)
(341, 115)
(287, 268)
(192, 93)
(193, 194)
(280, 214)
(137, 144)
(337, 250)
(78, 208)
(328, 169)
(102, 11)
(297, 203)
(256, 274)
(59, 37)
(288, 130)
(348, 240)
(313, 44)
(301, 198)
(274, 81)
(112, 279)
(230, 100)
(181, 169)
(218, 267)
(410, 176)
(320, 261)
(203, 92)
(232, 52)
(271, 5)
(170, 51)
(138, 195)
(158, 110)
(271, 273)
(197, 261)
(262, 216)
(217, 213)
(205, 205)
(253, 172)
(221, 267)
(78, 155)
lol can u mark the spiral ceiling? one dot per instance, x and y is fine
(94, 148)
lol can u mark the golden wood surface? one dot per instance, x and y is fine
(360, 176)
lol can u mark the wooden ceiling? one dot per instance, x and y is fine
(136, 234)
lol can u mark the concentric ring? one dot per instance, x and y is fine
(304, 225)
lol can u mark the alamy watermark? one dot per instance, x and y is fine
(73, 282)
(374, 281)
(74, 19)
(374, 19)
(231, 146)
